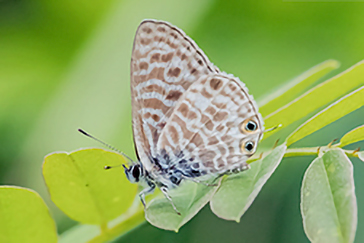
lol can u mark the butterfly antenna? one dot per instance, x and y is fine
(272, 128)
(107, 145)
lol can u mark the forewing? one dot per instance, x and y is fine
(165, 62)
(206, 127)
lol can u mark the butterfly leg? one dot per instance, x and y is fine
(165, 193)
(145, 191)
(200, 182)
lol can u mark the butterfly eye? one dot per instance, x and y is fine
(136, 172)
(248, 147)
(249, 126)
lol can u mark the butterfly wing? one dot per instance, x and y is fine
(164, 63)
(207, 131)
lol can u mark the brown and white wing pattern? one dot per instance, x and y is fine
(165, 62)
(211, 130)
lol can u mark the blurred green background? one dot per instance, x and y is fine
(65, 65)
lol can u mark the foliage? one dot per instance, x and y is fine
(328, 202)
(24, 217)
(85, 191)
(231, 202)
(88, 194)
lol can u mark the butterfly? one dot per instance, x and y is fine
(190, 120)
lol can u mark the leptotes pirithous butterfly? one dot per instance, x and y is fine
(190, 120)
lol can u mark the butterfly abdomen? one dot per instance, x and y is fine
(171, 170)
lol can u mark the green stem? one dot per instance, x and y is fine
(302, 151)
(128, 221)
(119, 229)
(309, 151)
(103, 228)
(315, 151)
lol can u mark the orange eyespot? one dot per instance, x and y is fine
(248, 147)
(249, 126)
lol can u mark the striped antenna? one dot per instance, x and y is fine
(105, 144)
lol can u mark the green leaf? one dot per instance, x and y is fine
(338, 109)
(361, 156)
(24, 217)
(328, 201)
(355, 135)
(237, 192)
(317, 97)
(295, 87)
(81, 187)
(189, 198)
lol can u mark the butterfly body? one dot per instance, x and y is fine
(190, 120)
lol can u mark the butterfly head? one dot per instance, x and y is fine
(134, 173)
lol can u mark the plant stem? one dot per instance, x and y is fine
(315, 151)
(294, 152)
(103, 227)
(302, 151)
(120, 229)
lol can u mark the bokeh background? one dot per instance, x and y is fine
(65, 65)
